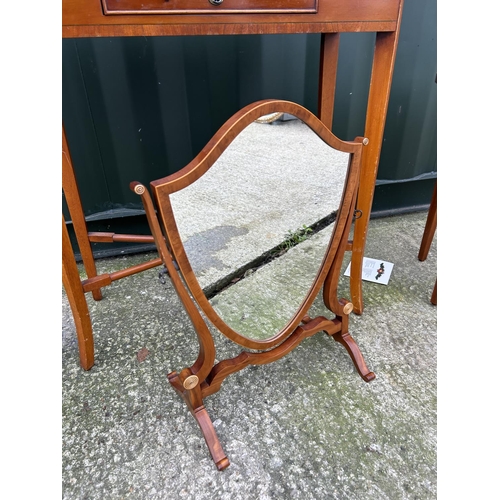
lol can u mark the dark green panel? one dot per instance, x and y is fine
(80, 132)
(173, 105)
(410, 139)
(153, 103)
(141, 108)
(223, 79)
(121, 98)
(402, 197)
(353, 83)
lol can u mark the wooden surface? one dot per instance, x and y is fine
(86, 18)
(378, 100)
(428, 236)
(430, 227)
(77, 301)
(328, 60)
(142, 7)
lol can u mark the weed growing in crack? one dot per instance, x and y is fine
(293, 238)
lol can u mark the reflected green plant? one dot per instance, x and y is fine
(293, 238)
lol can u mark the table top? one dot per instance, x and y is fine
(107, 18)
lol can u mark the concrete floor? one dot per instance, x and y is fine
(306, 426)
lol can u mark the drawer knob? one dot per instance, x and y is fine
(215, 2)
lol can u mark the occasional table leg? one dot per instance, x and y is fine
(434, 299)
(328, 76)
(430, 227)
(378, 100)
(72, 194)
(77, 301)
(427, 237)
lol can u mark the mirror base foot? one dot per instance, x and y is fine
(194, 402)
(354, 352)
(193, 396)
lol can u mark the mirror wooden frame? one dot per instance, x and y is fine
(205, 376)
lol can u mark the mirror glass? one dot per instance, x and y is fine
(249, 225)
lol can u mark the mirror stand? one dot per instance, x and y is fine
(205, 377)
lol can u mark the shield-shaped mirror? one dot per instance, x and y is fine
(213, 233)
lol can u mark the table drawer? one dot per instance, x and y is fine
(209, 6)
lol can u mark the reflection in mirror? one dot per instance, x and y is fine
(274, 179)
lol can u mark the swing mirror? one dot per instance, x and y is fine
(234, 224)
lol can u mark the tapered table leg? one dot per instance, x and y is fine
(73, 200)
(434, 296)
(328, 76)
(77, 301)
(378, 100)
(430, 227)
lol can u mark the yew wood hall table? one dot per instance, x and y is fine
(157, 18)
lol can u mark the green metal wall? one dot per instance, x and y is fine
(141, 108)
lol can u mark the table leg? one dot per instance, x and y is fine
(434, 296)
(427, 237)
(72, 194)
(76, 297)
(329, 56)
(430, 227)
(378, 100)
